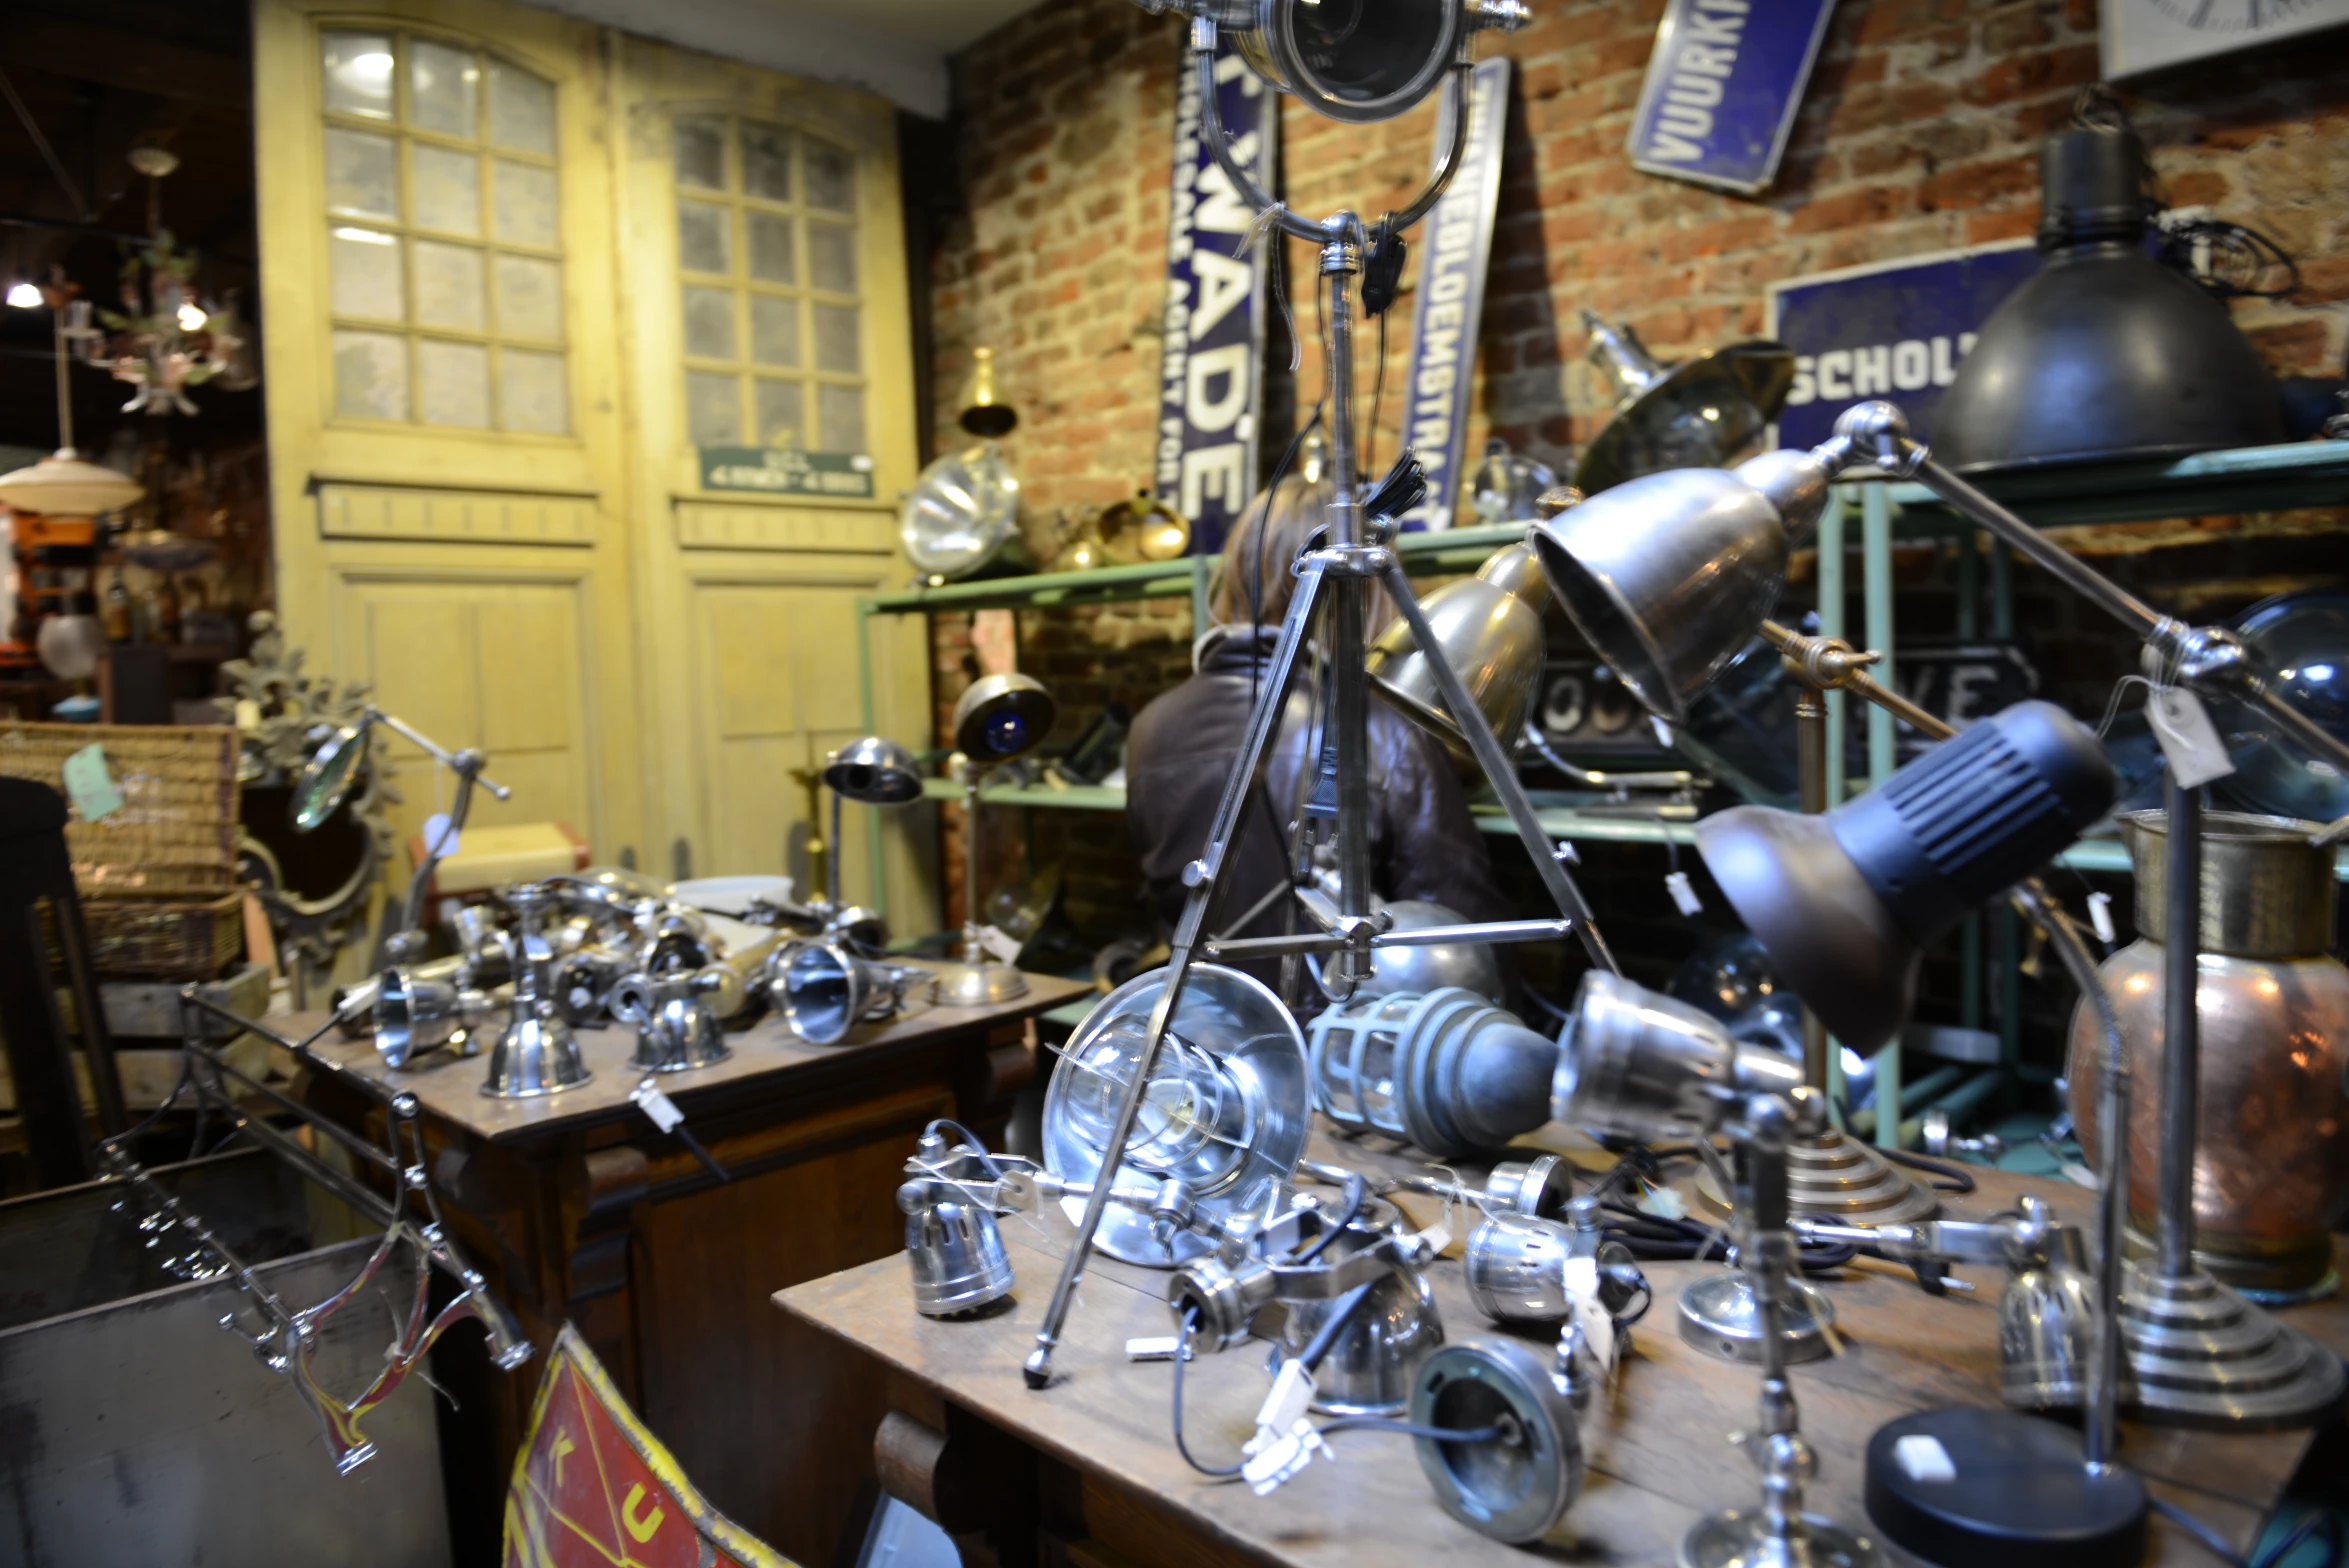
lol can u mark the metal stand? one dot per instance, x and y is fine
(409, 943)
(1337, 580)
(978, 981)
(1778, 1534)
(2199, 1354)
(1833, 1176)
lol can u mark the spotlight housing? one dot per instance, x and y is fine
(1223, 1117)
(1352, 60)
(1844, 903)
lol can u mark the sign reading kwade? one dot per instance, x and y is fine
(1457, 241)
(1722, 89)
(1211, 370)
(781, 471)
(1896, 330)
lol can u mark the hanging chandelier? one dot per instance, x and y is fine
(164, 340)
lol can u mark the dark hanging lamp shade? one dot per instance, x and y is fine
(2106, 353)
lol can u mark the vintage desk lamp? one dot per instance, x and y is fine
(999, 719)
(1639, 1063)
(327, 777)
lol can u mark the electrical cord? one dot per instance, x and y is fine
(971, 1138)
(1183, 1354)
(1437, 1434)
(1357, 1193)
(1954, 1177)
(2215, 1543)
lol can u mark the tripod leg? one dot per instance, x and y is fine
(1203, 876)
(1498, 772)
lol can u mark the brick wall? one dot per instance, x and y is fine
(1919, 132)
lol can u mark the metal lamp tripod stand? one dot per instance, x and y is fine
(1337, 579)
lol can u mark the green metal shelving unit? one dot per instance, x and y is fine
(2251, 479)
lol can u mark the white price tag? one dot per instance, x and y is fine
(439, 838)
(2189, 741)
(1684, 894)
(1598, 1325)
(1003, 949)
(2100, 916)
(658, 1106)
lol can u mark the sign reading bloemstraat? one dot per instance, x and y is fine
(1722, 89)
(1456, 244)
(781, 471)
(1211, 362)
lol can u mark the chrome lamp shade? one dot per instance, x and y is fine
(1490, 629)
(1352, 60)
(874, 771)
(1223, 1115)
(963, 512)
(1635, 1061)
(1001, 718)
(1845, 902)
(1667, 576)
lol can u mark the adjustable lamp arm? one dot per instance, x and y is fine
(2208, 658)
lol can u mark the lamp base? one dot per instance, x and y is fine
(982, 984)
(1737, 1538)
(1718, 1314)
(1972, 1488)
(1836, 1177)
(2200, 1355)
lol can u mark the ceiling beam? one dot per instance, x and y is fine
(117, 58)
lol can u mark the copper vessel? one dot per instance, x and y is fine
(2271, 1161)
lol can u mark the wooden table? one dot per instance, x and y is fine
(577, 1208)
(1084, 1473)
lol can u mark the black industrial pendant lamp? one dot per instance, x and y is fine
(2107, 352)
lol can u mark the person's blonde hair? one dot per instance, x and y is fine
(1254, 582)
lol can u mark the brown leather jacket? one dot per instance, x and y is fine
(1423, 843)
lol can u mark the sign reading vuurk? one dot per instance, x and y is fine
(1722, 89)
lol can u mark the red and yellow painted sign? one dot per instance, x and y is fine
(592, 1489)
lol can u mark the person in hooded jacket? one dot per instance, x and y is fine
(1423, 843)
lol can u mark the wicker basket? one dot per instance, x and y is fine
(176, 830)
(165, 938)
(157, 875)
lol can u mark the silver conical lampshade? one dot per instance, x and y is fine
(874, 771)
(1490, 628)
(1666, 577)
(1700, 414)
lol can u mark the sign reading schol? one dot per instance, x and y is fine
(1722, 89)
(1895, 330)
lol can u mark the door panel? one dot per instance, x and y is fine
(768, 716)
(493, 665)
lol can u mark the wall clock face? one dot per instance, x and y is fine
(2147, 35)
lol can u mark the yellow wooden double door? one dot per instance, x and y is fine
(518, 274)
